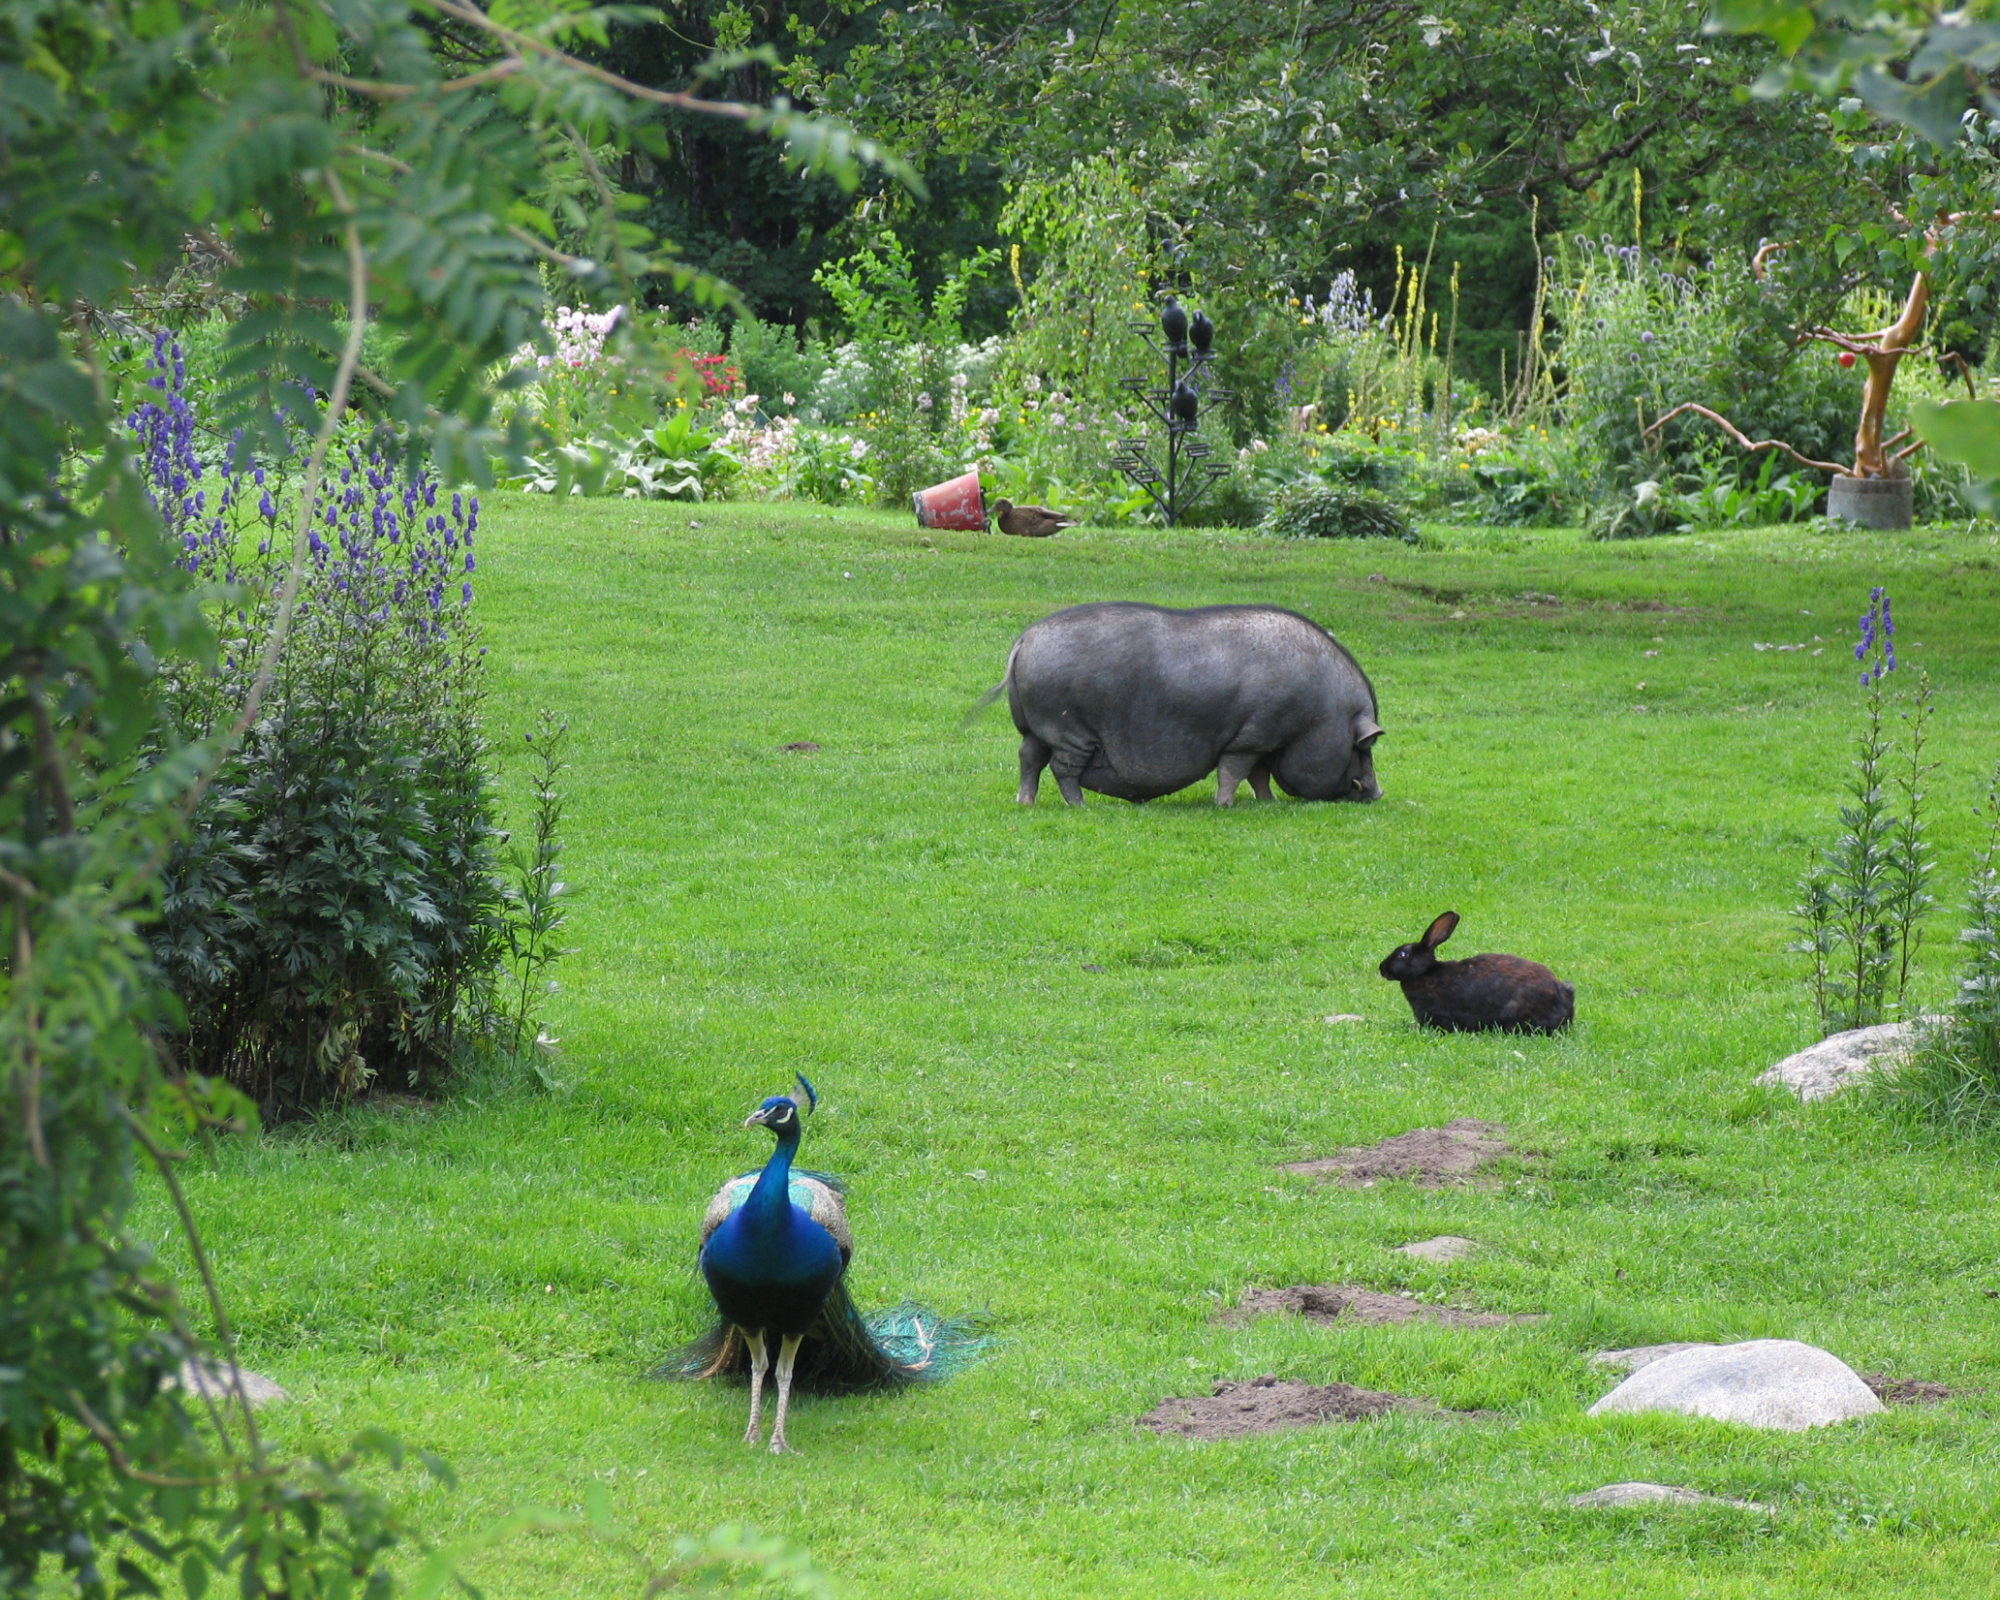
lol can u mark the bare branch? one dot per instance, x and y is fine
(1760, 262)
(1738, 435)
(49, 755)
(223, 1336)
(472, 16)
(547, 252)
(336, 404)
(1860, 344)
(23, 968)
(100, 1430)
(380, 89)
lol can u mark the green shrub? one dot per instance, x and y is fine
(1953, 1076)
(1338, 511)
(776, 363)
(1638, 340)
(334, 912)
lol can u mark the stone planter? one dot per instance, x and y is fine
(1871, 502)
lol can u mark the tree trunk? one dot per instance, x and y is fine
(1870, 460)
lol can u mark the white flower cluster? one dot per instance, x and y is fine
(579, 336)
(760, 446)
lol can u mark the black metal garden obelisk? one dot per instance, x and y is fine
(1177, 403)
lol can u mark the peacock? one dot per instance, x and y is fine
(774, 1248)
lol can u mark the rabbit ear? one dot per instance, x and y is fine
(1440, 930)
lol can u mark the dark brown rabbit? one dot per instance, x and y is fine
(1491, 991)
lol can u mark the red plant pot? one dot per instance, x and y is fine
(957, 504)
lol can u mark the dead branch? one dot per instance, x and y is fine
(1761, 260)
(1741, 438)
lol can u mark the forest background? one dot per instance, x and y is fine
(1264, 149)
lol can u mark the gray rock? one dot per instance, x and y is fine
(1640, 1355)
(1843, 1059)
(1642, 1494)
(1763, 1383)
(220, 1382)
(1445, 1247)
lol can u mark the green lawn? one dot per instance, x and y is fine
(1090, 1155)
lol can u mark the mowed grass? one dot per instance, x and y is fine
(1090, 1156)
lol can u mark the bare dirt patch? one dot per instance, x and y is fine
(1905, 1391)
(1330, 1302)
(799, 747)
(1434, 1157)
(1270, 1403)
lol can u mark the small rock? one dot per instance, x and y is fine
(1642, 1355)
(1445, 1247)
(1092, 966)
(1346, 1016)
(220, 1383)
(1642, 1494)
(1842, 1059)
(1762, 1383)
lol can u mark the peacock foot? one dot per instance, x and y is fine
(779, 1447)
(754, 1434)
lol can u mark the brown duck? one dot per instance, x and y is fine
(1029, 522)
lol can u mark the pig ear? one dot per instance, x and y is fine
(1440, 930)
(1366, 731)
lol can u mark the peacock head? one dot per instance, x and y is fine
(782, 1112)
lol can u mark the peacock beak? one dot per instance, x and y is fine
(755, 1119)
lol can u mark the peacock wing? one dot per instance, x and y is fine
(821, 1199)
(731, 1195)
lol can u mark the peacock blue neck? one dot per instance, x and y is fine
(770, 1201)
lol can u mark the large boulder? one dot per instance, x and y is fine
(1842, 1059)
(1764, 1383)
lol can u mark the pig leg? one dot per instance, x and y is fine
(1035, 755)
(1069, 767)
(1235, 766)
(1260, 779)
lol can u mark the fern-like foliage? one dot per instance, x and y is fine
(332, 163)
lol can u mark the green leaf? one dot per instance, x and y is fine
(1963, 431)
(1787, 22)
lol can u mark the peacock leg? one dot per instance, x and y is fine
(787, 1353)
(754, 1434)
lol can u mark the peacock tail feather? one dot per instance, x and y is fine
(846, 1351)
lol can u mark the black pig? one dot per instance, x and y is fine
(1138, 701)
